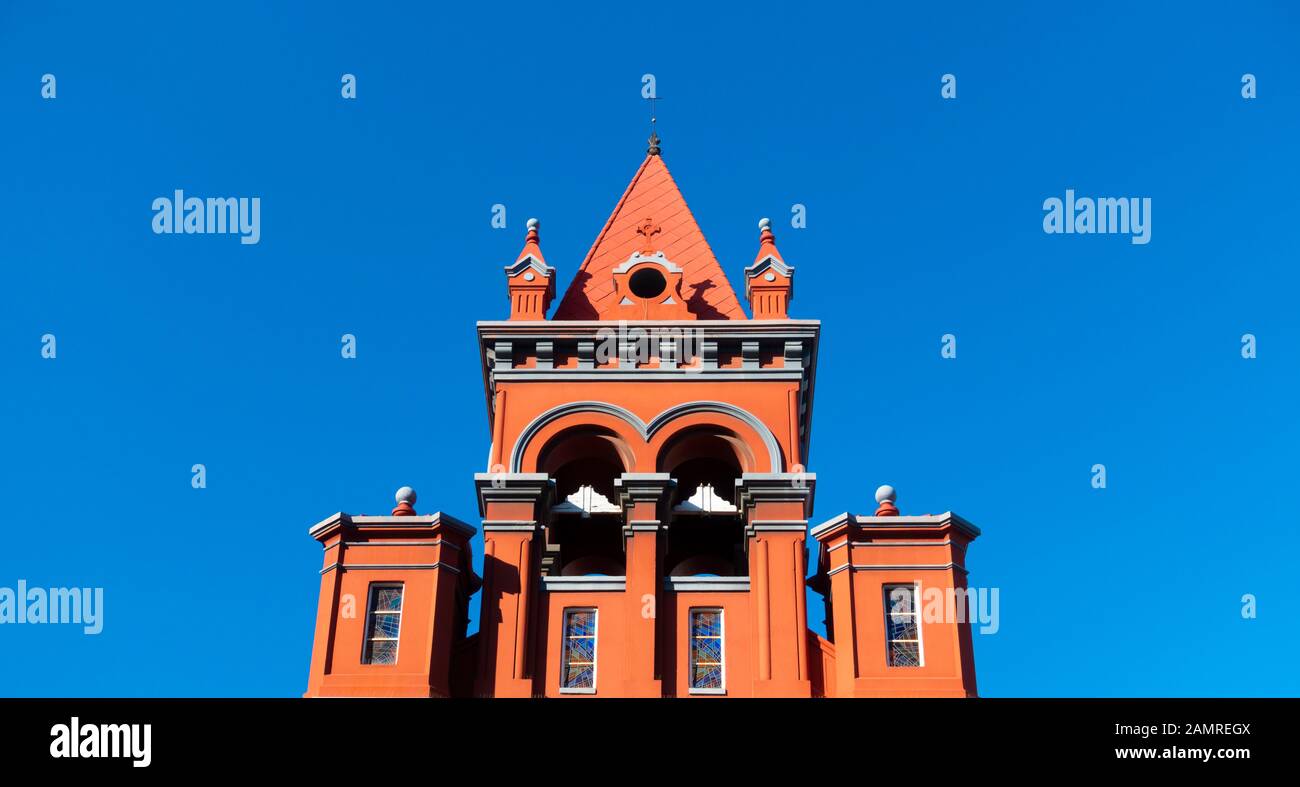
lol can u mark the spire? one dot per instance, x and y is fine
(766, 241)
(769, 282)
(532, 243)
(651, 219)
(530, 282)
(653, 150)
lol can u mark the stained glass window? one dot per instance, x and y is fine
(383, 621)
(706, 651)
(902, 630)
(578, 665)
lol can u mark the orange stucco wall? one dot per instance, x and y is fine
(738, 641)
(766, 401)
(614, 650)
(940, 673)
(611, 642)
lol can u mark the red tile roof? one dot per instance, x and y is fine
(652, 195)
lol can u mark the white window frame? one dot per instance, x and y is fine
(564, 651)
(690, 649)
(916, 613)
(366, 639)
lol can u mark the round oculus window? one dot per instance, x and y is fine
(647, 283)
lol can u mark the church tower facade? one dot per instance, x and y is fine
(645, 508)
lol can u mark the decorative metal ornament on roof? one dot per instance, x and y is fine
(705, 501)
(586, 501)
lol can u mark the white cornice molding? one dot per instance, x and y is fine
(591, 583)
(417, 522)
(699, 584)
(529, 261)
(721, 329)
(900, 568)
(770, 261)
(681, 374)
(656, 258)
(895, 522)
(511, 488)
(773, 262)
(388, 567)
(642, 488)
(779, 487)
(336, 518)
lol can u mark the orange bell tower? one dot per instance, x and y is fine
(646, 478)
(645, 505)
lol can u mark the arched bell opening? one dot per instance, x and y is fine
(704, 456)
(705, 534)
(584, 535)
(585, 456)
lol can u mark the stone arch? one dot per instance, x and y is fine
(756, 448)
(621, 428)
(638, 435)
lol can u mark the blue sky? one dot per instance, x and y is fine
(1072, 350)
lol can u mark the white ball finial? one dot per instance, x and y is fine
(885, 492)
(406, 495)
(533, 224)
(764, 224)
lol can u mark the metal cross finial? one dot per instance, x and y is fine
(654, 136)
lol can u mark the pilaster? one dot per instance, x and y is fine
(513, 507)
(643, 497)
(776, 508)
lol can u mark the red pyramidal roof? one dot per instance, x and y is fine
(652, 215)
